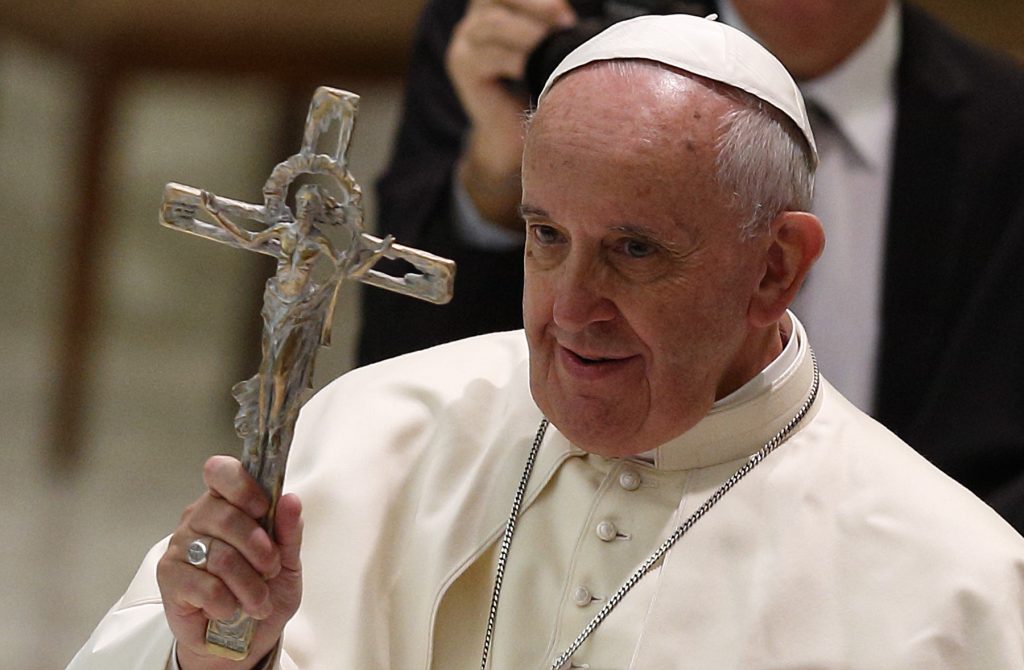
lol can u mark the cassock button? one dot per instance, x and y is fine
(581, 596)
(629, 480)
(607, 531)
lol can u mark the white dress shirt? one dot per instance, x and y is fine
(841, 302)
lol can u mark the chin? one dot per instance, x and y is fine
(617, 432)
(597, 433)
(613, 450)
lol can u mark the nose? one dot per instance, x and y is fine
(582, 296)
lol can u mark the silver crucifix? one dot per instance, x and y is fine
(298, 302)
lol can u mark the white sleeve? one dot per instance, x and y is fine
(134, 634)
(272, 662)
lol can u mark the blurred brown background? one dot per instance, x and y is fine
(120, 339)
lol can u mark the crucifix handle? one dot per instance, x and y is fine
(230, 638)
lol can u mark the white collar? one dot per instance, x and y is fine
(857, 100)
(740, 423)
(780, 368)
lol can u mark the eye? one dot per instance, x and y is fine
(638, 248)
(544, 234)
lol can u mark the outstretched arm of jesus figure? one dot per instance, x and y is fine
(245, 567)
(182, 203)
(211, 204)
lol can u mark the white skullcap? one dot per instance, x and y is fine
(700, 46)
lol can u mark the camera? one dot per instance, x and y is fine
(594, 16)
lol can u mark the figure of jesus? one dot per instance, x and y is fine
(297, 315)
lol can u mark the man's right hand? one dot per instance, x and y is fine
(490, 46)
(245, 567)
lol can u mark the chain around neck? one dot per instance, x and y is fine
(564, 660)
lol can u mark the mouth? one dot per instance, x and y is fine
(592, 362)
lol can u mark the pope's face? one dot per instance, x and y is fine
(637, 281)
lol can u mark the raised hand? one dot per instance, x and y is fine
(489, 47)
(244, 567)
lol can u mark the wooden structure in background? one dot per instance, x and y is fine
(296, 45)
(997, 23)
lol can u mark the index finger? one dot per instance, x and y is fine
(226, 478)
(551, 12)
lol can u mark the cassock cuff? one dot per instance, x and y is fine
(266, 664)
(476, 231)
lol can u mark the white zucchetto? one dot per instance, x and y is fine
(702, 46)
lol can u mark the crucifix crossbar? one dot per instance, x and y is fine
(299, 300)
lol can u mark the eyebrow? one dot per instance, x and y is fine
(639, 231)
(530, 210)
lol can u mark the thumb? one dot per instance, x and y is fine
(288, 531)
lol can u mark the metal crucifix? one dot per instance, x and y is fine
(298, 302)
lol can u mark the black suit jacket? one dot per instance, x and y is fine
(951, 377)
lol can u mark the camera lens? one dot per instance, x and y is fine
(556, 46)
(595, 16)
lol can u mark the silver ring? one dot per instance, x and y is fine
(198, 551)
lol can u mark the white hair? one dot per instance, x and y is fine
(763, 162)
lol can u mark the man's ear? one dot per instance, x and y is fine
(794, 242)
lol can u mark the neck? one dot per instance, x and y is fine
(761, 347)
(812, 37)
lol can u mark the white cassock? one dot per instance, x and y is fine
(844, 549)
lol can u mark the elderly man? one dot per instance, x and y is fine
(919, 136)
(655, 476)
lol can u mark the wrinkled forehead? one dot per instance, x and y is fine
(633, 99)
(595, 151)
(703, 47)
